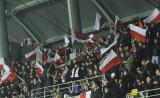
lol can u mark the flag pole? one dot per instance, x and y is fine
(20, 78)
(49, 67)
(65, 57)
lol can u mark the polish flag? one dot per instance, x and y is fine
(138, 33)
(118, 24)
(93, 37)
(86, 40)
(98, 22)
(111, 60)
(91, 41)
(39, 61)
(8, 74)
(154, 17)
(81, 36)
(106, 49)
(56, 57)
(39, 68)
(66, 41)
(31, 56)
(86, 95)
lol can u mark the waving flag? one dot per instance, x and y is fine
(80, 36)
(105, 50)
(138, 33)
(154, 17)
(91, 41)
(86, 40)
(56, 57)
(111, 60)
(39, 68)
(86, 95)
(8, 74)
(98, 22)
(38, 65)
(118, 24)
(66, 41)
(31, 55)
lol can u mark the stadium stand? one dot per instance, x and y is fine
(140, 67)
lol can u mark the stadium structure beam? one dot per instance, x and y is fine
(4, 43)
(25, 28)
(96, 3)
(27, 5)
(74, 16)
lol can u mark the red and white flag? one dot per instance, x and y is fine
(106, 49)
(154, 17)
(8, 76)
(86, 40)
(111, 60)
(39, 68)
(56, 57)
(93, 37)
(91, 41)
(31, 55)
(66, 41)
(39, 62)
(8, 73)
(86, 95)
(118, 24)
(138, 33)
(98, 22)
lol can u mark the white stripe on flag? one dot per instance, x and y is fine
(56, 57)
(66, 41)
(6, 68)
(2, 61)
(88, 94)
(110, 56)
(97, 22)
(31, 53)
(116, 22)
(104, 50)
(154, 14)
(138, 29)
(39, 66)
(5, 75)
(39, 55)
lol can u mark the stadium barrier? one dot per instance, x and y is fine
(47, 92)
(145, 94)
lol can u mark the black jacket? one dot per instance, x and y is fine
(96, 94)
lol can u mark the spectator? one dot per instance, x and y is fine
(96, 92)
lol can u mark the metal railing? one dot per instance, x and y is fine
(146, 94)
(46, 92)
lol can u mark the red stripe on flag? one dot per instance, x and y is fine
(113, 63)
(12, 76)
(80, 35)
(138, 36)
(39, 72)
(156, 20)
(31, 58)
(90, 44)
(83, 95)
(1, 67)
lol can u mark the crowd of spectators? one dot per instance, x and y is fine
(140, 67)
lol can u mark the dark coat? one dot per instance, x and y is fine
(108, 95)
(96, 94)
